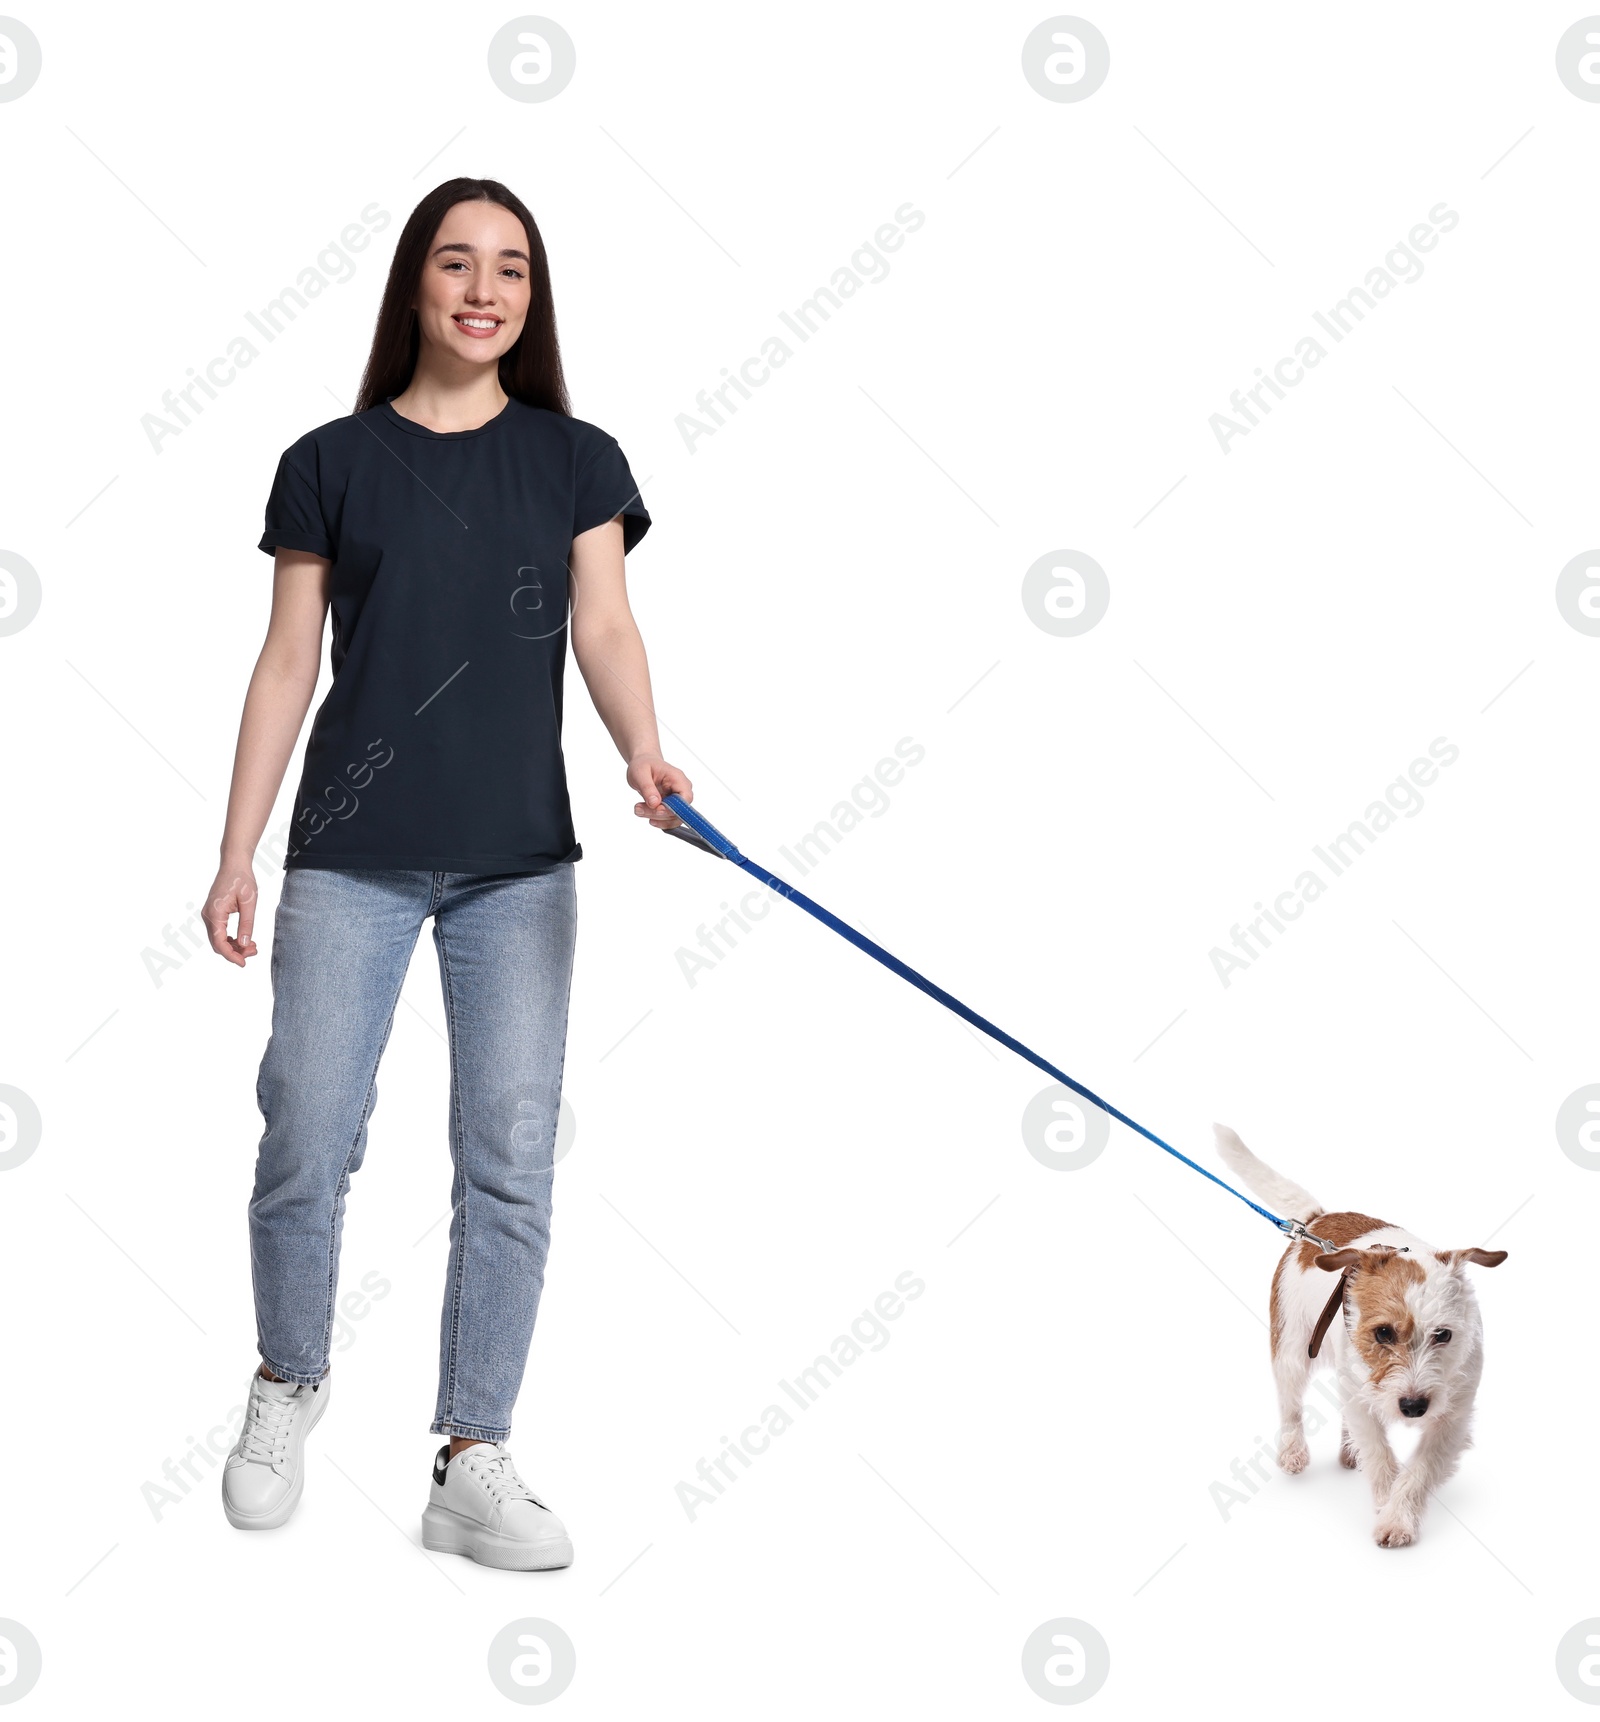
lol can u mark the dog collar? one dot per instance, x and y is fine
(1325, 1320)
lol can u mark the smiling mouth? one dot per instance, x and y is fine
(481, 327)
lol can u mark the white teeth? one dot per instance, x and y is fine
(479, 322)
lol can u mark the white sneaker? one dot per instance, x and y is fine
(263, 1478)
(481, 1508)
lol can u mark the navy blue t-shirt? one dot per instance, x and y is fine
(439, 743)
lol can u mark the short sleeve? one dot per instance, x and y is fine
(606, 488)
(294, 513)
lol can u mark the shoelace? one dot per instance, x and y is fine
(499, 1476)
(265, 1436)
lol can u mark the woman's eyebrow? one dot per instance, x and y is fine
(472, 250)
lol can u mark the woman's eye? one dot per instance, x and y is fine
(1384, 1335)
(1441, 1336)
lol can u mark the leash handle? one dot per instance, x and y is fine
(697, 822)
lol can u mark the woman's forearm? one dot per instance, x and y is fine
(274, 709)
(617, 674)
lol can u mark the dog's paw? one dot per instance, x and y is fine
(1347, 1456)
(1294, 1456)
(1394, 1533)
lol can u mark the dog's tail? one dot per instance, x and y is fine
(1291, 1200)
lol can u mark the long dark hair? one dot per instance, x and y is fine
(530, 371)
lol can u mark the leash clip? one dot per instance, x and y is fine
(1297, 1229)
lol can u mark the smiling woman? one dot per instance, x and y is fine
(471, 280)
(457, 527)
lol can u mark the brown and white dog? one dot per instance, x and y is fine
(1404, 1333)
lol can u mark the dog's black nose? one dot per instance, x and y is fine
(1413, 1407)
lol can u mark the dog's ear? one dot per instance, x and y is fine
(1339, 1260)
(1483, 1258)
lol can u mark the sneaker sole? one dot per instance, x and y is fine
(450, 1534)
(284, 1511)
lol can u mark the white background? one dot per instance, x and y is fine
(759, 1155)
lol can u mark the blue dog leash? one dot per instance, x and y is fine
(708, 837)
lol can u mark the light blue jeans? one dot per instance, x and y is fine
(342, 940)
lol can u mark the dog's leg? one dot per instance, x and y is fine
(1373, 1453)
(1291, 1368)
(1347, 1448)
(1438, 1453)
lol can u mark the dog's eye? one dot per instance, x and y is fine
(1441, 1336)
(1384, 1335)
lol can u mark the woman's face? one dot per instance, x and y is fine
(473, 297)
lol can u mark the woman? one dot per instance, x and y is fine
(460, 524)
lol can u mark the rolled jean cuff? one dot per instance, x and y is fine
(467, 1431)
(297, 1376)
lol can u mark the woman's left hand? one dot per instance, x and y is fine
(653, 778)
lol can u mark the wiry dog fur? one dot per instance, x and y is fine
(1407, 1344)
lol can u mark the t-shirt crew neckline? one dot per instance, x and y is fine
(400, 420)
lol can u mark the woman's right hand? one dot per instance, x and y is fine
(233, 892)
